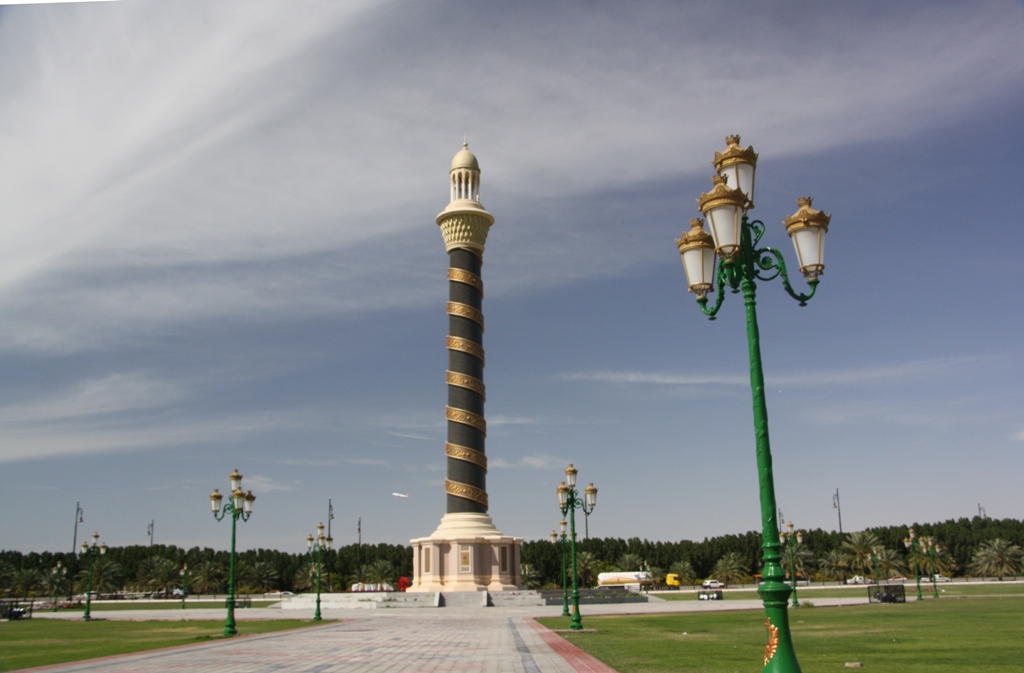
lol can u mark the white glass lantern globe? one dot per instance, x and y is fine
(330, 542)
(562, 526)
(103, 548)
(799, 537)
(563, 495)
(570, 476)
(554, 537)
(738, 165)
(590, 496)
(697, 249)
(320, 529)
(250, 499)
(236, 480)
(309, 541)
(85, 548)
(238, 499)
(215, 500)
(95, 539)
(723, 209)
(807, 227)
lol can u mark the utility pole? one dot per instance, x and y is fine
(149, 531)
(839, 510)
(359, 550)
(330, 517)
(79, 518)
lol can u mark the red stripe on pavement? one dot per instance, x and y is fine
(580, 661)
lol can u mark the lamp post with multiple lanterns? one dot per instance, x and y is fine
(875, 553)
(933, 550)
(240, 507)
(59, 572)
(734, 239)
(319, 544)
(183, 574)
(565, 583)
(911, 544)
(793, 543)
(93, 551)
(569, 501)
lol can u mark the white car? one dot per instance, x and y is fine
(859, 579)
(938, 578)
(712, 584)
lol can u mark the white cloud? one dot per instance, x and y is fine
(164, 162)
(900, 372)
(533, 461)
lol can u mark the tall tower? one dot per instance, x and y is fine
(466, 552)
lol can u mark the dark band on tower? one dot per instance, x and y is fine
(464, 225)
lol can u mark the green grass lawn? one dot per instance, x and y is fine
(38, 642)
(860, 591)
(978, 634)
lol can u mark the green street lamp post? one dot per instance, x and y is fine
(911, 544)
(569, 501)
(183, 574)
(933, 551)
(875, 553)
(793, 543)
(59, 572)
(92, 551)
(319, 544)
(240, 507)
(733, 239)
(565, 583)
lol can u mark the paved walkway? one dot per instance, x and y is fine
(427, 640)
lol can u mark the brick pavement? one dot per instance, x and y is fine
(455, 640)
(419, 640)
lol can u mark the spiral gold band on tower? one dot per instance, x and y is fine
(466, 491)
(467, 418)
(465, 453)
(466, 311)
(463, 276)
(466, 346)
(468, 382)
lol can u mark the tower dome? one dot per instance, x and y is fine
(465, 175)
(465, 159)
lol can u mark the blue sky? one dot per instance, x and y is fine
(218, 251)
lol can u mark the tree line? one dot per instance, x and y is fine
(160, 569)
(977, 547)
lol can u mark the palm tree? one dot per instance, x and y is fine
(305, 578)
(257, 576)
(26, 582)
(585, 563)
(381, 572)
(6, 576)
(890, 563)
(530, 577)
(858, 551)
(944, 562)
(803, 559)
(107, 577)
(159, 574)
(628, 562)
(207, 577)
(730, 569)
(833, 564)
(657, 575)
(996, 557)
(684, 569)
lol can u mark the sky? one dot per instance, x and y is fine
(218, 251)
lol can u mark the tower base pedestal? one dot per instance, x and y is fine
(466, 553)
